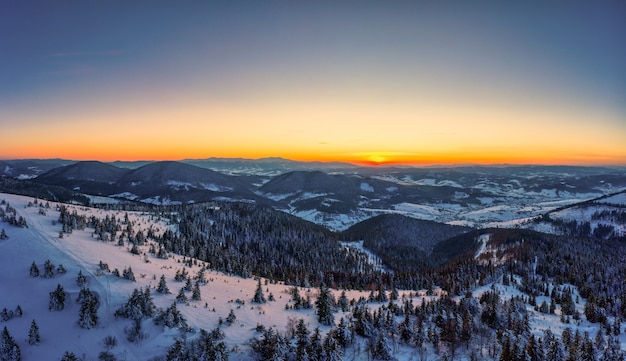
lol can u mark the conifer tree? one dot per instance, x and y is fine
(33, 334)
(81, 280)
(9, 350)
(316, 346)
(162, 287)
(325, 303)
(258, 294)
(332, 349)
(302, 341)
(195, 294)
(128, 274)
(188, 284)
(48, 269)
(57, 299)
(181, 297)
(88, 316)
(69, 356)
(34, 270)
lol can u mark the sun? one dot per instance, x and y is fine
(377, 158)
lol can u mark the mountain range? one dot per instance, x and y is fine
(336, 195)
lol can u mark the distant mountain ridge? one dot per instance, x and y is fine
(338, 195)
(158, 182)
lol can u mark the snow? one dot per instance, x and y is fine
(126, 195)
(372, 258)
(102, 200)
(617, 199)
(81, 251)
(482, 239)
(365, 187)
(215, 187)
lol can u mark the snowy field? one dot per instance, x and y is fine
(80, 251)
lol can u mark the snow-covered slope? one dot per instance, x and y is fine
(81, 251)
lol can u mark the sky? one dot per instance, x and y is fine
(371, 82)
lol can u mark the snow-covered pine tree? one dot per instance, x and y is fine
(231, 318)
(162, 287)
(332, 349)
(128, 274)
(48, 269)
(188, 284)
(69, 356)
(57, 299)
(9, 350)
(302, 341)
(34, 270)
(81, 280)
(195, 294)
(343, 302)
(325, 303)
(316, 346)
(33, 334)
(88, 316)
(258, 294)
(181, 297)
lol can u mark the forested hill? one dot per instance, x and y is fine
(402, 243)
(248, 239)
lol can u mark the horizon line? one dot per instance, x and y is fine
(365, 164)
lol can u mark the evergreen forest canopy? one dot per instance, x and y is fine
(251, 240)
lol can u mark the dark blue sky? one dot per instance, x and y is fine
(70, 60)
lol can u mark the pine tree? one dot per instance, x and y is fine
(34, 270)
(57, 299)
(332, 349)
(231, 317)
(302, 341)
(195, 295)
(48, 269)
(81, 281)
(258, 294)
(188, 284)
(342, 333)
(9, 350)
(325, 303)
(33, 334)
(4, 315)
(316, 346)
(181, 297)
(69, 356)
(88, 316)
(382, 349)
(162, 287)
(343, 302)
(128, 274)
(555, 351)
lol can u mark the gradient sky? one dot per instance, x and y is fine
(397, 82)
